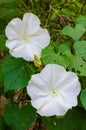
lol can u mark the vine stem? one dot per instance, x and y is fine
(48, 16)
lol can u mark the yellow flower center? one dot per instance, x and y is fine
(25, 37)
(53, 92)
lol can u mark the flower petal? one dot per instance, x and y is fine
(16, 47)
(31, 23)
(70, 90)
(55, 106)
(54, 90)
(69, 79)
(14, 30)
(41, 38)
(12, 44)
(35, 94)
(30, 50)
(43, 102)
(43, 80)
(52, 73)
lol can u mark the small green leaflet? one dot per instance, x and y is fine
(75, 33)
(68, 12)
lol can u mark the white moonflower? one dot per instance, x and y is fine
(54, 90)
(25, 37)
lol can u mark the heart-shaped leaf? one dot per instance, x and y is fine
(75, 32)
(16, 73)
(62, 56)
(80, 49)
(19, 119)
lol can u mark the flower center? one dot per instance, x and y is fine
(53, 92)
(25, 37)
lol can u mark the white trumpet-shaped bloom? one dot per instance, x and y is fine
(53, 91)
(25, 37)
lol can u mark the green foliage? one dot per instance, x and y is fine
(61, 56)
(19, 119)
(9, 1)
(2, 26)
(49, 56)
(75, 33)
(73, 120)
(68, 12)
(2, 43)
(1, 76)
(8, 8)
(83, 98)
(77, 65)
(81, 20)
(66, 23)
(80, 49)
(2, 126)
(16, 73)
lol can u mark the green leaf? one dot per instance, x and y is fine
(78, 65)
(2, 42)
(19, 119)
(81, 20)
(3, 24)
(67, 43)
(2, 123)
(62, 56)
(83, 98)
(64, 50)
(68, 12)
(74, 33)
(1, 76)
(49, 56)
(9, 8)
(15, 2)
(73, 120)
(8, 13)
(16, 73)
(80, 49)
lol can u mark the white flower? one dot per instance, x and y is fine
(54, 90)
(25, 37)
